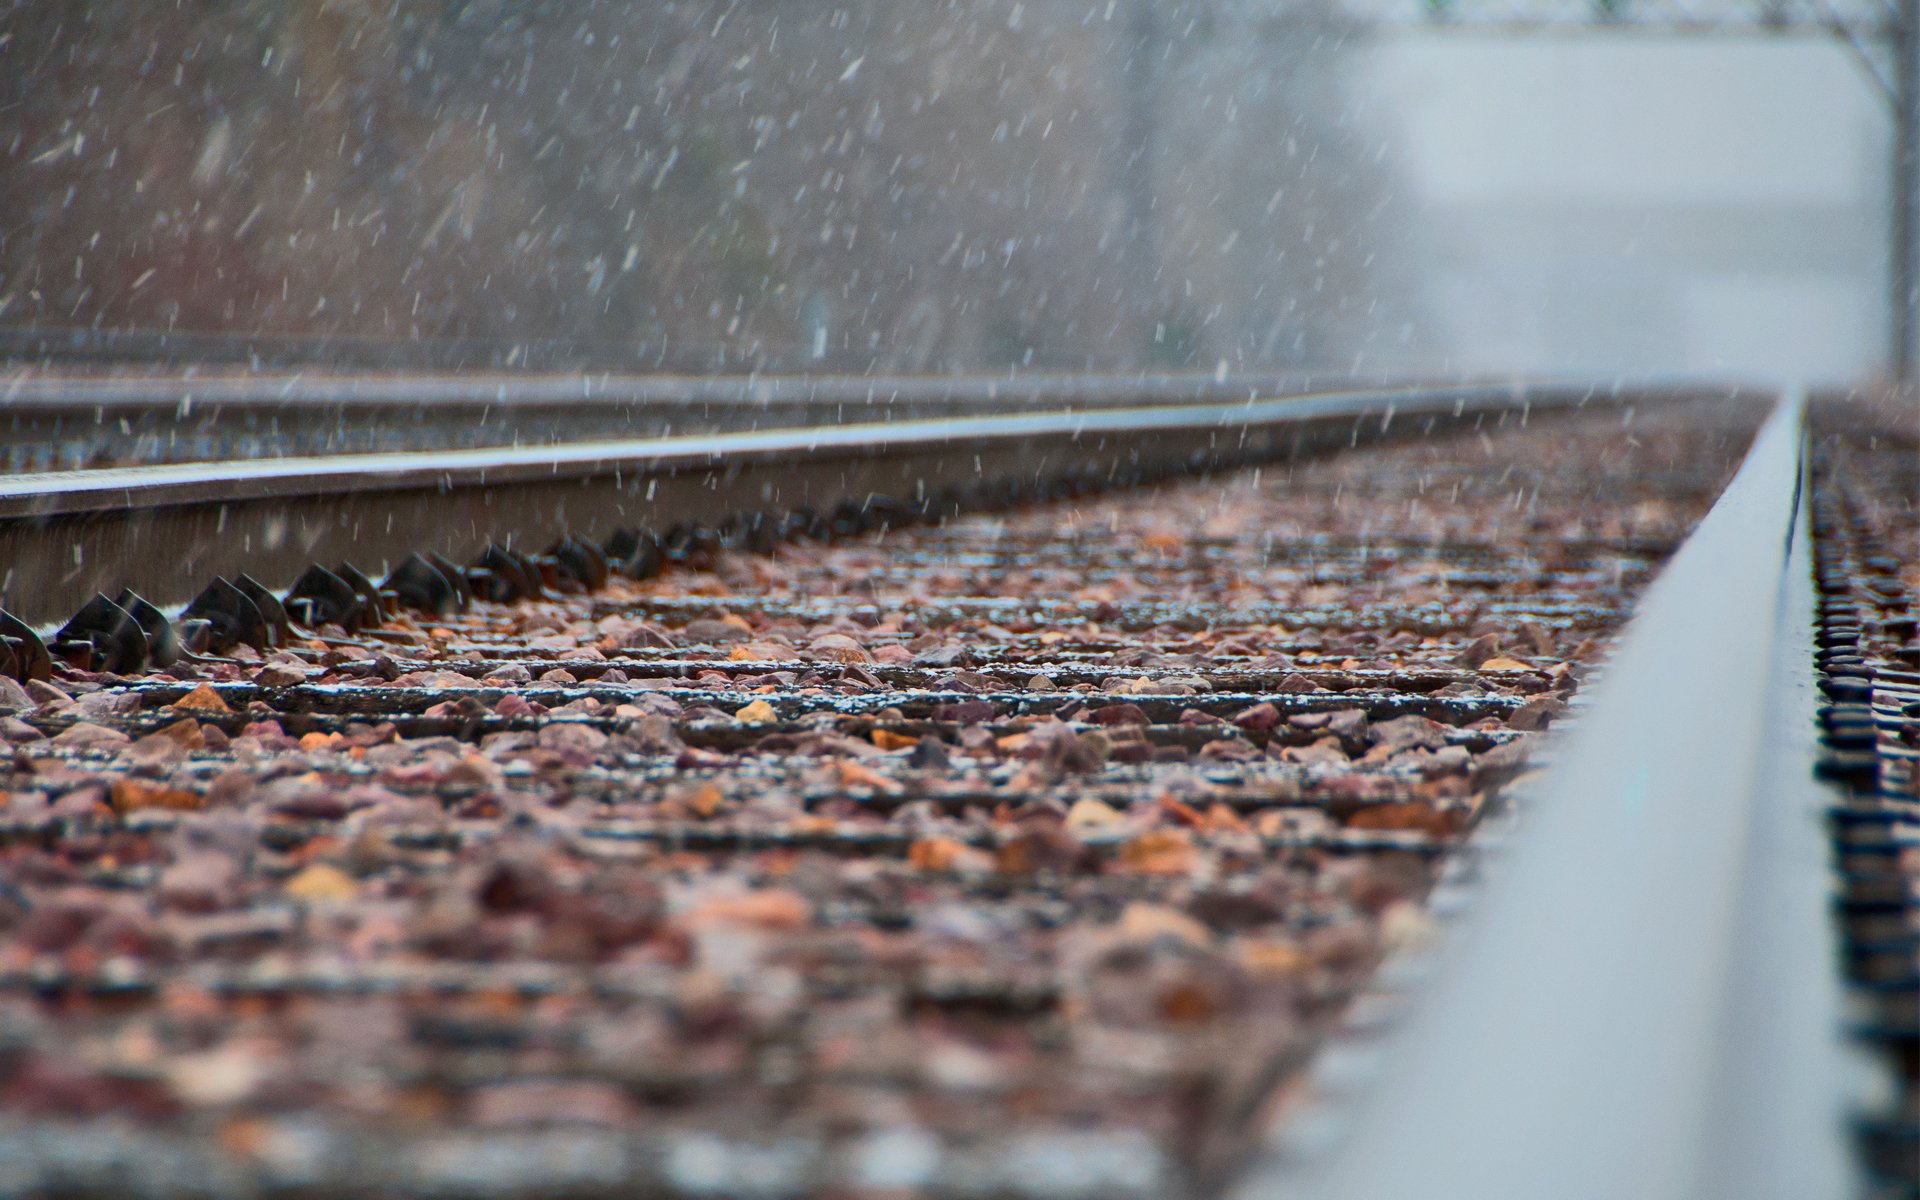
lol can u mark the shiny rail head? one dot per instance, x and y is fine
(1591, 1032)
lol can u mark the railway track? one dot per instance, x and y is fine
(274, 516)
(1866, 476)
(63, 420)
(1030, 832)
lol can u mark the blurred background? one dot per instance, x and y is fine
(1695, 205)
(957, 185)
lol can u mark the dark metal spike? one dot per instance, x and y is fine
(537, 569)
(453, 575)
(486, 585)
(163, 645)
(319, 597)
(621, 543)
(547, 569)
(116, 641)
(849, 519)
(34, 661)
(884, 512)
(637, 553)
(753, 532)
(196, 636)
(581, 561)
(597, 558)
(231, 615)
(506, 577)
(803, 522)
(419, 584)
(685, 539)
(373, 609)
(279, 625)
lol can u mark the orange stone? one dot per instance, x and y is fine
(322, 884)
(707, 800)
(853, 775)
(1405, 817)
(202, 699)
(772, 909)
(1161, 852)
(131, 795)
(935, 854)
(1503, 663)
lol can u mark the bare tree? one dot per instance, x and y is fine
(962, 184)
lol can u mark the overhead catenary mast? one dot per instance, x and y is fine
(1883, 37)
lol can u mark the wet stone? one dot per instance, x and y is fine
(955, 849)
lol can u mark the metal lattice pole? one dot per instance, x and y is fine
(1903, 267)
(1142, 115)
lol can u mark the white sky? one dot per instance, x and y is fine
(1630, 120)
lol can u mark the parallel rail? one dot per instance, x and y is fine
(68, 420)
(166, 530)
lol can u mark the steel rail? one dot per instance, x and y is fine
(1643, 1002)
(1788, 1077)
(167, 530)
(65, 419)
(321, 388)
(62, 419)
(62, 493)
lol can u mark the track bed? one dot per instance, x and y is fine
(1866, 476)
(1033, 854)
